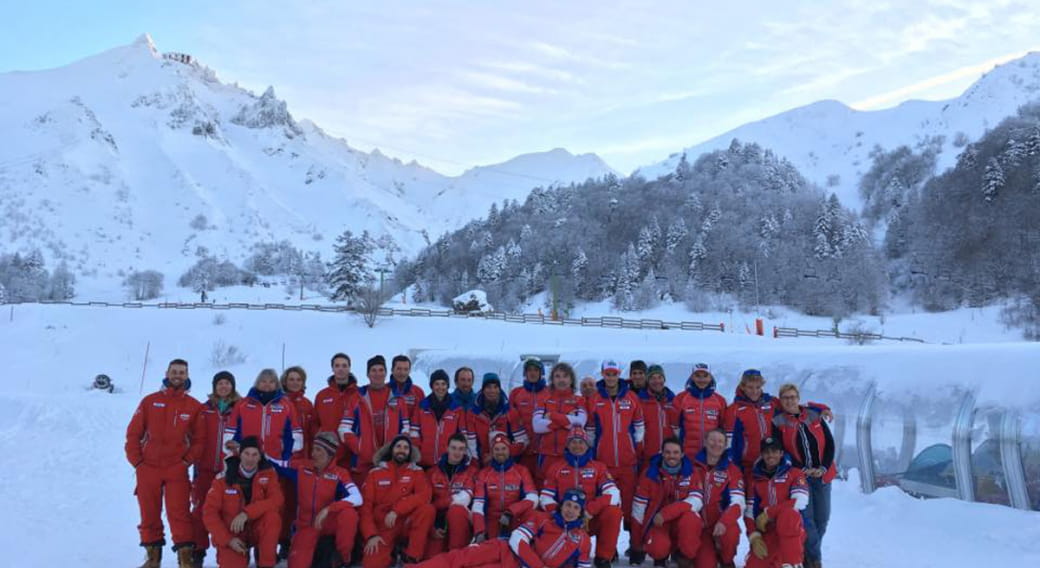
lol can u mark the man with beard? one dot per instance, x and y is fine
(164, 438)
(665, 510)
(376, 417)
(464, 393)
(397, 505)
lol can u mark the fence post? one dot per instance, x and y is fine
(759, 327)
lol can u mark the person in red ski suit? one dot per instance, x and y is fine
(334, 400)
(437, 418)
(214, 417)
(526, 399)
(377, 417)
(665, 511)
(268, 415)
(578, 470)
(504, 493)
(328, 503)
(561, 410)
(397, 505)
(294, 384)
(546, 541)
(724, 501)
(700, 408)
(490, 415)
(243, 509)
(659, 413)
(452, 480)
(616, 427)
(773, 517)
(164, 438)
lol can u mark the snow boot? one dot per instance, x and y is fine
(197, 557)
(601, 563)
(186, 556)
(154, 556)
(682, 561)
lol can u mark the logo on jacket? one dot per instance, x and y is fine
(231, 491)
(721, 477)
(512, 487)
(159, 404)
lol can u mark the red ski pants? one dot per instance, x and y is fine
(715, 550)
(678, 535)
(625, 478)
(606, 527)
(343, 524)
(412, 529)
(460, 532)
(784, 538)
(489, 554)
(199, 488)
(155, 484)
(260, 533)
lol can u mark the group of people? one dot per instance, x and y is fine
(476, 477)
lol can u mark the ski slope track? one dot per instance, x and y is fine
(68, 492)
(127, 159)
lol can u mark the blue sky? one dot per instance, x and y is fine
(456, 84)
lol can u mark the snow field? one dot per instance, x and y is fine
(67, 490)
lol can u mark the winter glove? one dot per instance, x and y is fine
(758, 545)
(238, 545)
(505, 521)
(238, 524)
(761, 521)
(479, 538)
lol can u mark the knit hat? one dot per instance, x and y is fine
(771, 443)
(578, 433)
(377, 360)
(499, 438)
(701, 367)
(533, 362)
(248, 442)
(574, 495)
(655, 370)
(439, 375)
(751, 374)
(327, 441)
(223, 376)
(489, 379)
(637, 365)
(610, 365)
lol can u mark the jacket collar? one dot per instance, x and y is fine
(601, 388)
(724, 460)
(653, 471)
(500, 467)
(577, 461)
(537, 386)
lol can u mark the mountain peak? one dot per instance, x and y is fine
(145, 40)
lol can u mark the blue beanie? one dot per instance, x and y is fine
(574, 495)
(490, 379)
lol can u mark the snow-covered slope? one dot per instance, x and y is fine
(110, 161)
(827, 138)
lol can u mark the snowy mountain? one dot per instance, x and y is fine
(134, 159)
(830, 143)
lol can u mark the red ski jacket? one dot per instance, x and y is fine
(215, 425)
(392, 487)
(807, 439)
(331, 402)
(456, 489)
(548, 540)
(671, 495)
(783, 487)
(231, 494)
(274, 424)
(583, 473)
(552, 421)
(616, 426)
(480, 426)
(307, 418)
(502, 487)
(661, 418)
(357, 428)
(165, 430)
(432, 434)
(526, 399)
(722, 489)
(700, 411)
(316, 489)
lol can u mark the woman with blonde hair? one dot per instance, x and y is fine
(294, 384)
(267, 414)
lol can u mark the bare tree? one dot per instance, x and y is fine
(370, 300)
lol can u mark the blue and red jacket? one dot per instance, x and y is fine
(723, 489)
(747, 423)
(548, 540)
(431, 434)
(501, 487)
(526, 399)
(316, 489)
(672, 495)
(552, 421)
(617, 426)
(700, 411)
(272, 419)
(480, 425)
(409, 393)
(661, 418)
(770, 491)
(357, 428)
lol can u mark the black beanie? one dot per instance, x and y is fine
(637, 365)
(377, 360)
(249, 442)
(224, 376)
(440, 375)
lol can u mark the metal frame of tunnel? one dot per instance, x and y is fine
(1011, 460)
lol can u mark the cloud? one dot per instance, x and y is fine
(500, 83)
(956, 77)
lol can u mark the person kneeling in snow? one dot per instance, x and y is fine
(554, 541)
(397, 507)
(773, 518)
(327, 502)
(243, 509)
(665, 509)
(452, 480)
